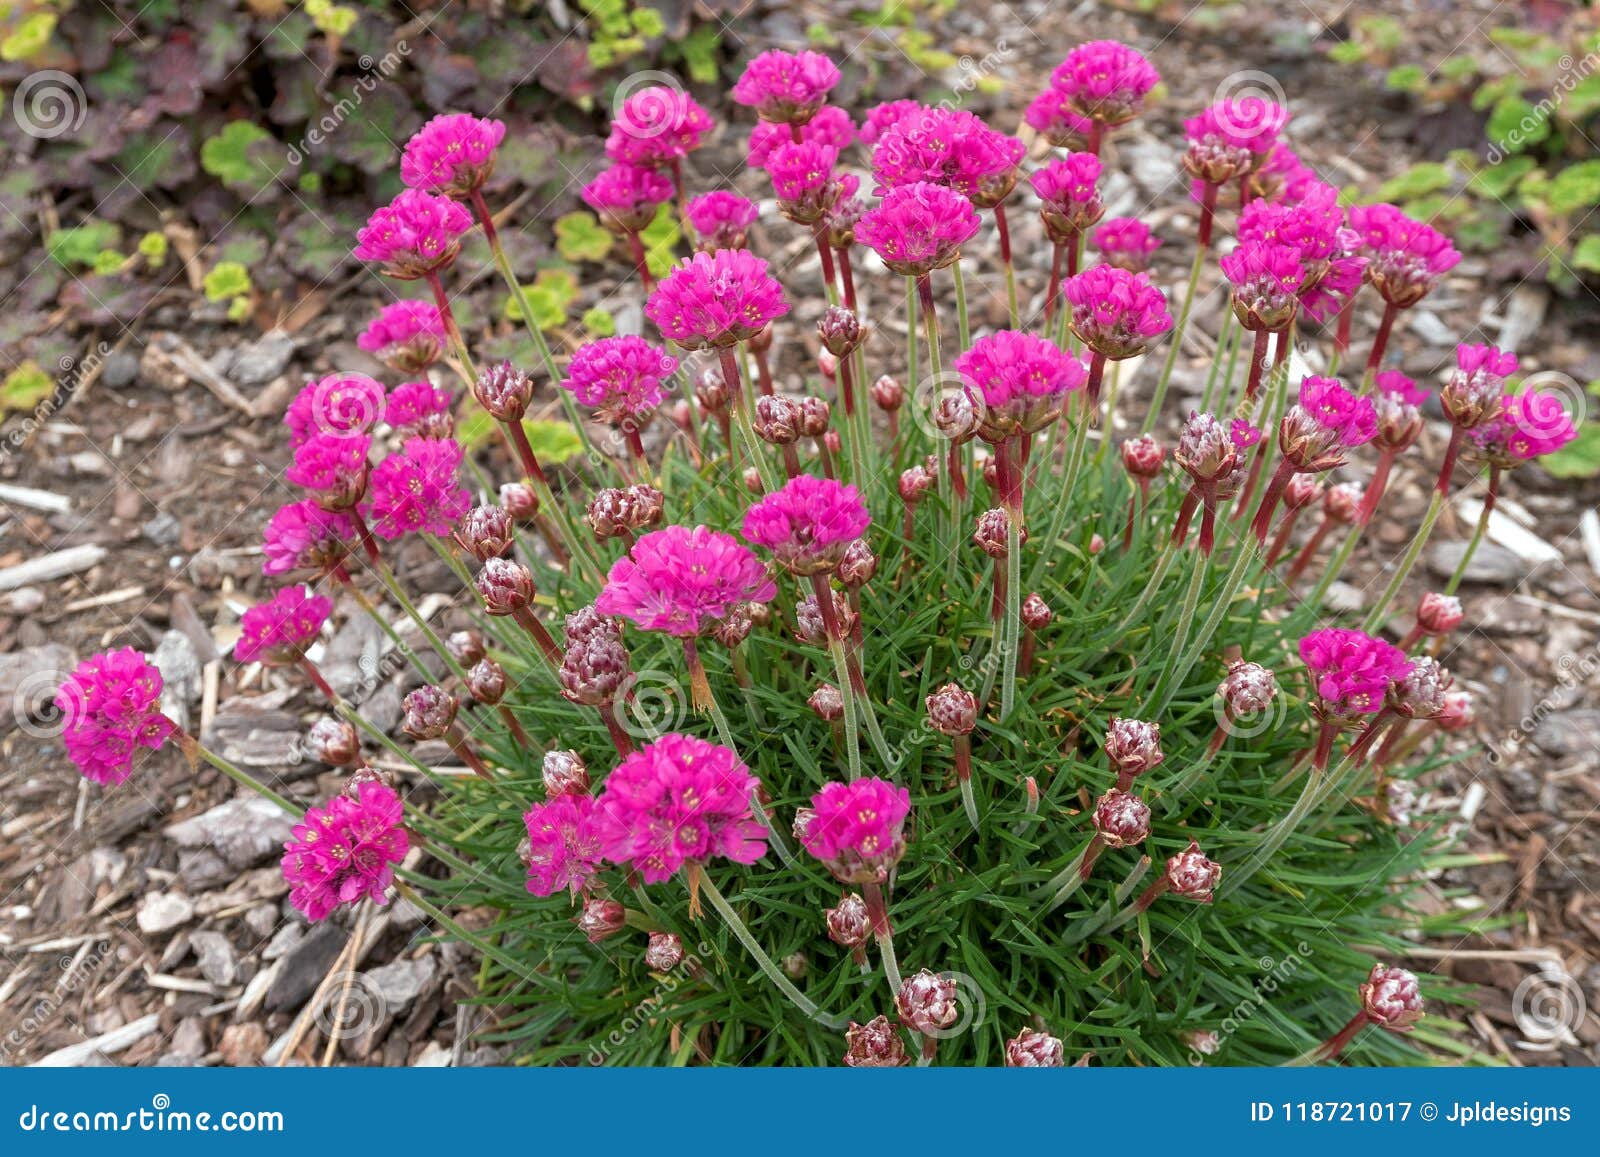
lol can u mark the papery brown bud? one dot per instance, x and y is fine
(486, 682)
(956, 418)
(795, 965)
(466, 647)
(601, 919)
(832, 441)
(1457, 713)
(429, 712)
(752, 480)
(564, 773)
(803, 817)
(505, 586)
(840, 329)
(827, 703)
(588, 623)
(1420, 692)
(849, 925)
(520, 500)
(334, 742)
(874, 1045)
(1191, 876)
(1399, 423)
(504, 391)
(928, 1002)
(486, 532)
(952, 710)
(810, 627)
(1035, 1050)
(1121, 818)
(609, 513)
(1036, 613)
(360, 776)
(888, 394)
(664, 952)
(1391, 998)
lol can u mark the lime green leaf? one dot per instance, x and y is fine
(1498, 181)
(228, 279)
(1407, 78)
(552, 442)
(1417, 181)
(1586, 256)
(1582, 100)
(31, 37)
(1579, 458)
(647, 22)
(660, 237)
(699, 51)
(1347, 52)
(153, 248)
(106, 262)
(239, 308)
(24, 388)
(82, 243)
(580, 237)
(599, 322)
(244, 155)
(1575, 187)
(1515, 124)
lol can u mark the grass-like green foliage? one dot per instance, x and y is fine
(1272, 966)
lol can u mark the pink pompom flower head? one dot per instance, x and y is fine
(109, 708)
(408, 336)
(786, 87)
(332, 469)
(563, 848)
(620, 378)
(1472, 398)
(678, 802)
(683, 581)
(626, 196)
(303, 536)
(1351, 674)
(415, 235)
(1531, 424)
(657, 126)
(949, 147)
(720, 220)
(830, 126)
(1126, 242)
(1106, 82)
(1020, 381)
(1406, 257)
(1050, 114)
(918, 228)
(857, 829)
(1069, 198)
(279, 632)
(1210, 454)
(1230, 138)
(453, 154)
(342, 405)
(808, 524)
(1115, 313)
(716, 300)
(347, 851)
(803, 180)
(1313, 435)
(1267, 277)
(420, 409)
(419, 491)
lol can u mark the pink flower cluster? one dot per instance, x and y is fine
(716, 299)
(1347, 417)
(857, 828)
(620, 377)
(332, 468)
(809, 523)
(677, 801)
(346, 851)
(918, 228)
(829, 126)
(1105, 81)
(338, 404)
(1267, 277)
(1116, 313)
(1069, 198)
(1531, 423)
(410, 335)
(110, 707)
(303, 536)
(1351, 670)
(452, 154)
(684, 581)
(1020, 379)
(1406, 257)
(414, 404)
(720, 219)
(950, 147)
(657, 125)
(1126, 242)
(627, 196)
(563, 849)
(415, 235)
(278, 632)
(1050, 114)
(786, 87)
(419, 491)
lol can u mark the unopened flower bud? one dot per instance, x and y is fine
(1302, 491)
(429, 712)
(505, 586)
(888, 394)
(858, 565)
(1036, 613)
(736, 627)
(795, 965)
(848, 924)
(811, 627)
(952, 710)
(1191, 876)
(827, 703)
(1391, 998)
(828, 363)
(1247, 689)
(520, 500)
(1142, 456)
(1457, 712)
(608, 513)
(334, 742)
(803, 817)
(594, 669)
(956, 418)
(1420, 692)
(601, 919)
(664, 952)
(1439, 614)
(486, 532)
(874, 1045)
(486, 682)
(840, 330)
(1035, 1050)
(927, 1002)
(504, 391)
(777, 420)
(358, 777)
(761, 341)
(914, 483)
(815, 413)
(465, 647)
(1121, 819)
(588, 623)
(1343, 502)
(990, 533)
(752, 480)
(833, 442)
(711, 391)
(1097, 544)
(564, 773)
(1133, 746)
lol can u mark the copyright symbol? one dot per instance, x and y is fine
(1430, 1111)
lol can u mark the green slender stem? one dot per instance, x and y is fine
(841, 672)
(1176, 339)
(1193, 649)
(1478, 532)
(1058, 518)
(1169, 553)
(346, 712)
(1407, 561)
(1175, 643)
(878, 916)
(242, 778)
(391, 585)
(1336, 564)
(1275, 836)
(763, 961)
(1067, 881)
(1227, 338)
(963, 333)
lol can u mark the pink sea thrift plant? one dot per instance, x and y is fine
(303, 536)
(1050, 114)
(563, 848)
(1406, 257)
(453, 154)
(716, 300)
(626, 196)
(110, 707)
(786, 87)
(949, 147)
(683, 581)
(1020, 379)
(1531, 424)
(418, 408)
(830, 126)
(620, 378)
(338, 404)
(719, 220)
(419, 491)
(804, 181)
(332, 469)
(675, 802)
(808, 524)
(1126, 242)
(857, 829)
(1105, 81)
(408, 335)
(918, 228)
(279, 631)
(415, 235)
(346, 852)
(657, 125)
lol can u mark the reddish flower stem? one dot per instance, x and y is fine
(1208, 212)
(536, 630)
(1376, 487)
(1325, 737)
(1358, 750)
(1447, 466)
(1336, 1044)
(525, 454)
(1186, 509)
(819, 232)
(1090, 855)
(847, 385)
(847, 276)
(364, 533)
(763, 371)
(1341, 341)
(620, 739)
(1258, 365)
(465, 754)
(1150, 894)
(315, 676)
(1381, 340)
(1054, 291)
(641, 264)
(1281, 539)
(1269, 500)
(1309, 550)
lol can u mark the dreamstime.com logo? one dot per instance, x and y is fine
(160, 1117)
